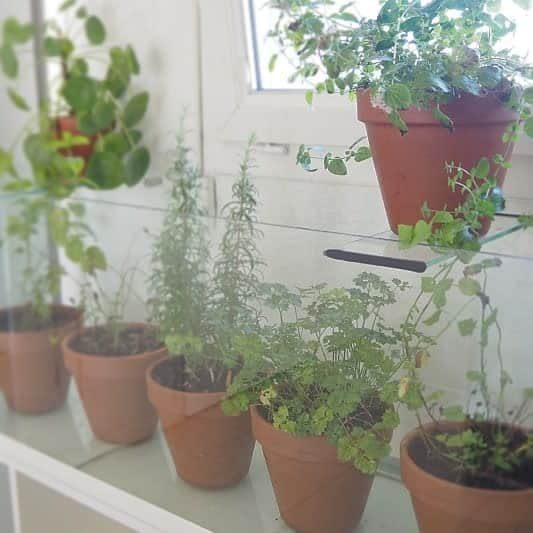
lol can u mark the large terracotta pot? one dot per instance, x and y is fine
(445, 507)
(315, 492)
(411, 168)
(32, 374)
(68, 124)
(113, 392)
(210, 449)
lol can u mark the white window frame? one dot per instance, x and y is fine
(232, 109)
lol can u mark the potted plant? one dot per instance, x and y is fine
(322, 389)
(108, 359)
(433, 86)
(198, 316)
(466, 469)
(87, 134)
(32, 373)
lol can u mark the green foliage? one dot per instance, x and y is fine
(327, 368)
(201, 316)
(41, 272)
(179, 283)
(99, 105)
(488, 447)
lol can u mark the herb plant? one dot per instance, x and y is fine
(42, 271)
(328, 370)
(199, 314)
(489, 449)
(103, 110)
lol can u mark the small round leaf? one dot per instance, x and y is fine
(95, 30)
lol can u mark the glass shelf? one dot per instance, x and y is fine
(293, 253)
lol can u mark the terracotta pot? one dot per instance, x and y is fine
(32, 374)
(411, 168)
(445, 507)
(315, 492)
(210, 449)
(68, 124)
(113, 392)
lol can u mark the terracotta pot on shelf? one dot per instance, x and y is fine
(113, 392)
(209, 449)
(314, 490)
(32, 373)
(68, 124)
(411, 168)
(445, 507)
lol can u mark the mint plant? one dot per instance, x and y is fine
(103, 109)
(328, 368)
(489, 448)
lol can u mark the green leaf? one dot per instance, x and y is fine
(18, 100)
(428, 284)
(422, 232)
(94, 259)
(362, 154)
(74, 249)
(469, 286)
(398, 121)
(58, 224)
(137, 165)
(272, 63)
(135, 68)
(444, 119)
(9, 61)
(81, 12)
(95, 30)
(309, 96)
(475, 376)
(528, 127)
(15, 32)
(135, 109)
(398, 97)
(434, 318)
(467, 327)
(528, 95)
(67, 4)
(105, 170)
(103, 115)
(405, 234)
(337, 166)
(59, 47)
(482, 169)
(454, 413)
(80, 93)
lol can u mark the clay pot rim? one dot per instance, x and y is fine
(417, 116)
(437, 482)
(75, 312)
(156, 385)
(65, 345)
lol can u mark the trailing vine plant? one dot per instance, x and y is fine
(490, 449)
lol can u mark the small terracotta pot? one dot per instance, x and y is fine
(315, 492)
(32, 374)
(445, 507)
(68, 124)
(210, 450)
(113, 392)
(411, 168)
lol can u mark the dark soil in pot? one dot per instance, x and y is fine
(448, 501)
(315, 491)
(32, 373)
(210, 449)
(411, 167)
(109, 370)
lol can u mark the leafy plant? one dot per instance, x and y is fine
(489, 449)
(199, 314)
(327, 371)
(42, 271)
(103, 111)
(179, 281)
